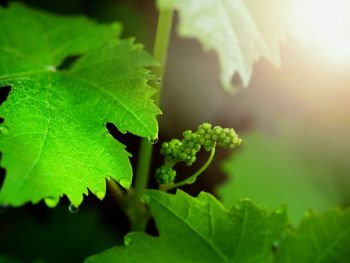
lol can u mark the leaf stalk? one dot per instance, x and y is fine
(146, 148)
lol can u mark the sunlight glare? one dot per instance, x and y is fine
(324, 25)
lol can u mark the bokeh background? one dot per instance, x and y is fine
(293, 120)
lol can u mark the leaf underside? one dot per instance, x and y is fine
(54, 140)
(239, 31)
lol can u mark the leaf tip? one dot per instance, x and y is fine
(51, 201)
(125, 183)
(100, 194)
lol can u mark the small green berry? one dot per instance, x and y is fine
(201, 131)
(165, 175)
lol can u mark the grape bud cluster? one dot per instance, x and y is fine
(165, 174)
(186, 150)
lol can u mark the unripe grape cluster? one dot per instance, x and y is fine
(210, 137)
(165, 174)
(186, 150)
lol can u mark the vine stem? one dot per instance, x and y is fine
(191, 179)
(160, 53)
(165, 19)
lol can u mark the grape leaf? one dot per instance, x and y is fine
(266, 169)
(54, 140)
(239, 31)
(200, 230)
(319, 238)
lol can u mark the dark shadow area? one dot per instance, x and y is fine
(152, 228)
(2, 172)
(4, 93)
(71, 7)
(131, 141)
(68, 62)
(95, 227)
(4, 3)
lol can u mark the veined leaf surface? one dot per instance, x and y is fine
(54, 140)
(201, 230)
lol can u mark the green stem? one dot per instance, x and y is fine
(161, 47)
(143, 167)
(146, 148)
(160, 53)
(191, 179)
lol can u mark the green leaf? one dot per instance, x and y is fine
(200, 230)
(268, 170)
(239, 31)
(54, 140)
(319, 238)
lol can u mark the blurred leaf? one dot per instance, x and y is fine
(239, 31)
(136, 20)
(269, 171)
(201, 230)
(319, 238)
